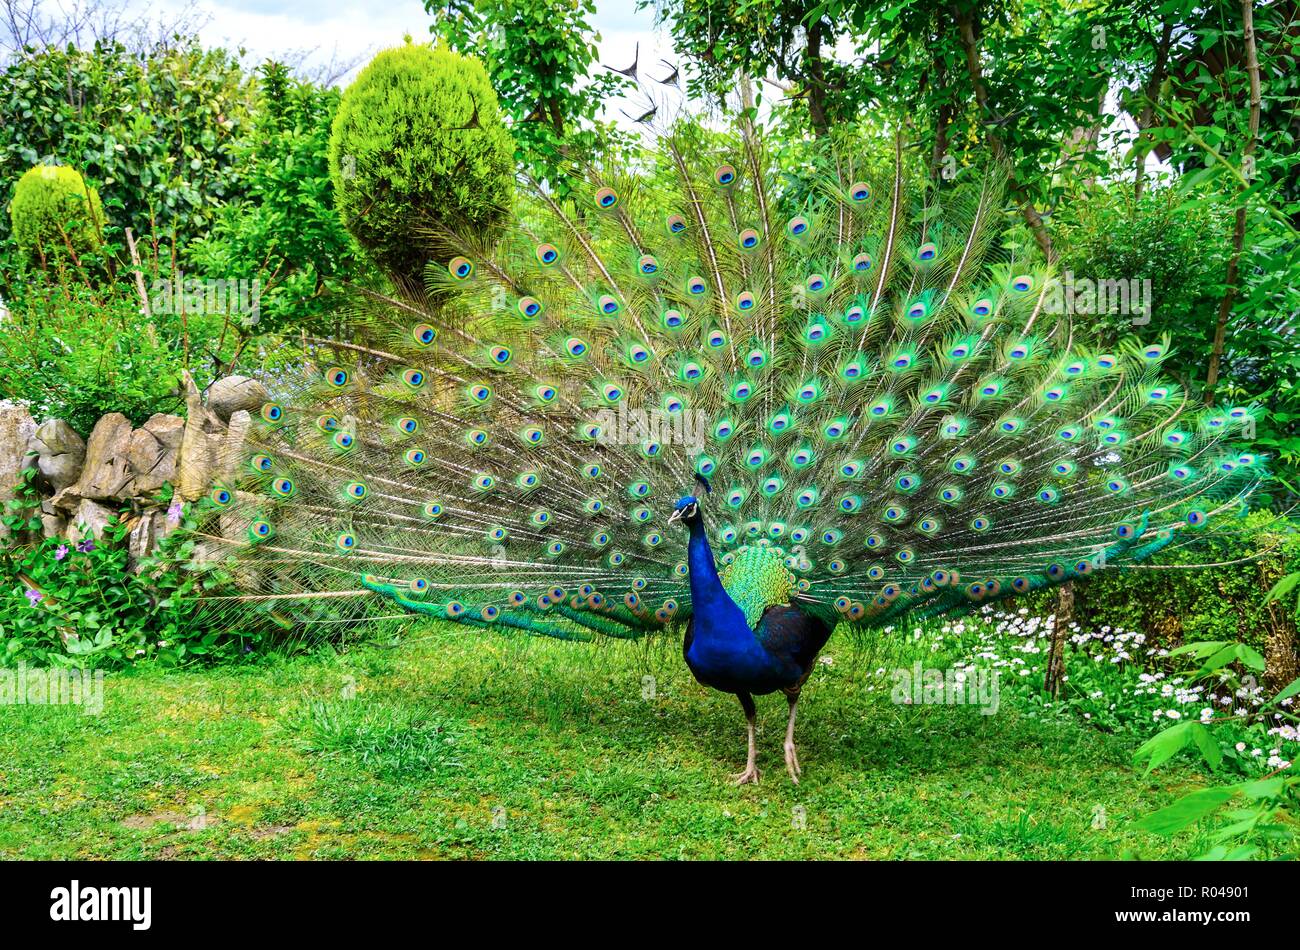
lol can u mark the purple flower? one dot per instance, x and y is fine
(86, 546)
(60, 552)
(34, 596)
(175, 511)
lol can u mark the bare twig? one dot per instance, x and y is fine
(139, 273)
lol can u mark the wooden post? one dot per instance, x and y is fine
(1060, 633)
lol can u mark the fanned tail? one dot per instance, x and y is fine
(874, 387)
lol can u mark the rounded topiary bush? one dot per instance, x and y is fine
(54, 211)
(418, 144)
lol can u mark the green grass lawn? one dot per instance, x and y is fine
(462, 744)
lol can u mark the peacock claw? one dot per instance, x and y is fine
(792, 763)
(750, 774)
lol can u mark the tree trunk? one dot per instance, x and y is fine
(1239, 228)
(1060, 633)
(1147, 116)
(946, 111)
(815, 81)
(970, 43)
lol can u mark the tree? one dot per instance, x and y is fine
(782, 40)
(154, 132)
(540, 56)
(284, 232)
(417, 150)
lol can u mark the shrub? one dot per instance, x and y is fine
(1182, 603)
(154, 131)
(74, 352)
(418, 144)
(79, 603)
(1177, 246)
(286, 233)
(55, 213)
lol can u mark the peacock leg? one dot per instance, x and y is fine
(792, 757)
(751, 768)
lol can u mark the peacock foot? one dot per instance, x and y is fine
(749, 775)
(792, 763)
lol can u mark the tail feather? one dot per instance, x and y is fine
(871, 381)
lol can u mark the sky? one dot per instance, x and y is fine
(326, 31)
(352, 28)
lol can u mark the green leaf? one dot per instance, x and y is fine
(1189, 809)
(1241, 853)
(1250, 657)
(1200, 649)
(1221, 659)
(1209, 747)
(1288, 691)
(1264, 788)
(1163, 746)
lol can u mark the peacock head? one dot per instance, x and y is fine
(687, 511)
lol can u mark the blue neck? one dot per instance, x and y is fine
(714, 610)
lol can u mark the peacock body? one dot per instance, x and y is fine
(868, 403)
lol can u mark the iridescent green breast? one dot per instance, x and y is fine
(757, 578)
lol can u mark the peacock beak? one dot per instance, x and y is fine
(675, 516)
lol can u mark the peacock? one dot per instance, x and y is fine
(691, 392)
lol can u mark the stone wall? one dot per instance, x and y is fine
(118, 470)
